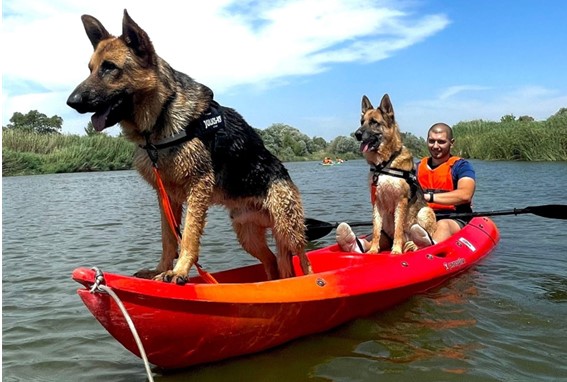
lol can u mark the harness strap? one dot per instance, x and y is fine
(166, 205)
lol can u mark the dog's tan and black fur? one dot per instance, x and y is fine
(398, 199)
(131, 85)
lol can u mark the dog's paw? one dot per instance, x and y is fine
(396, 250)
(170, 277)
(409, 246)
(146, 274)
(373, 249)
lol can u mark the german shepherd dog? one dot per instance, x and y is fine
(206, 153)
(397, 198)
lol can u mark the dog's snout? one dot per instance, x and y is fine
(358, 134)
(75, 100)
(79, 101)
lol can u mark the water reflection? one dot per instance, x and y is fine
(554, 287)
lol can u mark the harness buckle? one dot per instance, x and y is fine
(375, 178)
(151, 149)
(152, 153)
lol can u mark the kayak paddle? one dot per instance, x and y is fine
(551, 211)
(317, 229)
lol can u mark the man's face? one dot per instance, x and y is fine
(439, 145)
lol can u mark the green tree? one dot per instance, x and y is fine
(525, 118)
(559, 118)
(343, 145)
(285, 141)
(317, 144)
(508, 118)
(35, 122)
(417, 146)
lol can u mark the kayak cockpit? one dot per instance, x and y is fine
(330, 260)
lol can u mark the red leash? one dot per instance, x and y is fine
(166, 206)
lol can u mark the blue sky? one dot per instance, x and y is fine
(308, 63)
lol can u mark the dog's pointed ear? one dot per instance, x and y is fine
(137, 40)
(386, 106)
(366, 105)
(95, 31)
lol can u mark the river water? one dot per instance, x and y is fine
(503, 320)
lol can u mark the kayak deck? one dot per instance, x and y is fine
(200, 322)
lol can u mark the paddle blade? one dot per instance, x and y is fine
(316, 229)
(552, 211)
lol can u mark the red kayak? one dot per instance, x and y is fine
(200, 322)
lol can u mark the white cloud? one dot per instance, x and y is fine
(222, 43)
(455, 90)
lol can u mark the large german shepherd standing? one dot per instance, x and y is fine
(398, 202)
(206, 154)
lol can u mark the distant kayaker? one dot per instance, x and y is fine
(448, 182)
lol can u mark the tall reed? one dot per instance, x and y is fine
(31, 153)
(517, 140)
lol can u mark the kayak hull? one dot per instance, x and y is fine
(180, 326)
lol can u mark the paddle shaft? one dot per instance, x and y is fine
(317, 228)
(457, 215)
(552, 211)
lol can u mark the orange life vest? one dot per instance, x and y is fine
(437, 180)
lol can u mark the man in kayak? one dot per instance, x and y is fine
(448, 182)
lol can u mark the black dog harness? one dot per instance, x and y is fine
(386, 169)
(203, 128)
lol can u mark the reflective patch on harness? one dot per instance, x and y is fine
(467, 243)
(212, 122)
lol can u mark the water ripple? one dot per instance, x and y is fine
(503, 320)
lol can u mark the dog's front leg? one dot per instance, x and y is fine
(400, 216)
(169, 242)
(376, 230)
(198, 203)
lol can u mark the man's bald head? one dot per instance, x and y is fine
(441, 127)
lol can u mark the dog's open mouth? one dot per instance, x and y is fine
(370, 144)
(108, 116)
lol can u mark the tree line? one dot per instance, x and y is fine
(33, 144)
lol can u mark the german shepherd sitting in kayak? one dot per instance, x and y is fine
(399, 208)
(206, 153)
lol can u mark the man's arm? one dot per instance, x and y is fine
(462, 195)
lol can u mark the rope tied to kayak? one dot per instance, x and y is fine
(100, 287)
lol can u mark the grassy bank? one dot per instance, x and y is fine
(516, 140)
(25, 153)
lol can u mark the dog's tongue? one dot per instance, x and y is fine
(364, 147)
(99, 119)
